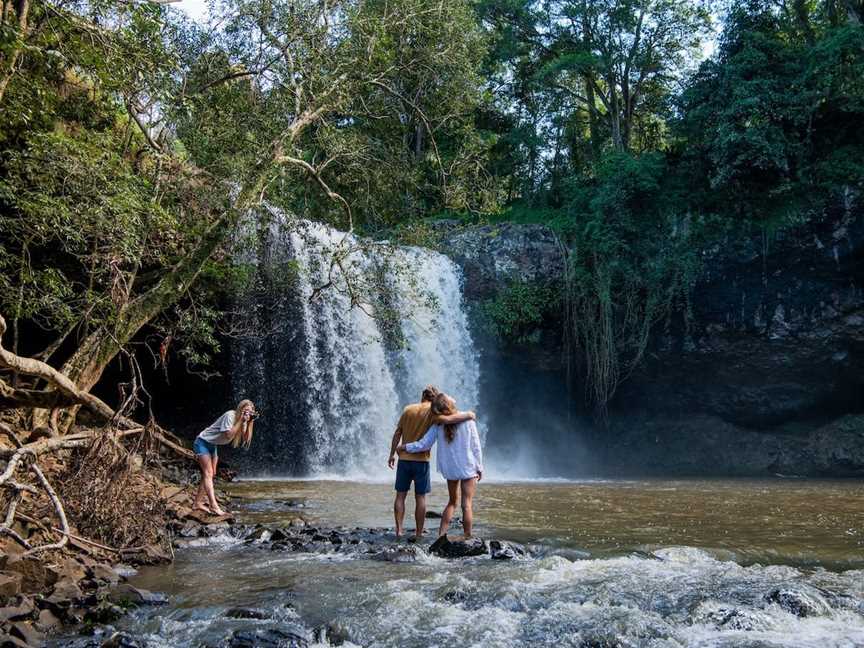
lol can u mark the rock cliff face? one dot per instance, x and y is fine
(764, 376)
(492, 256)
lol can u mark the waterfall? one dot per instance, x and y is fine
(331, 375)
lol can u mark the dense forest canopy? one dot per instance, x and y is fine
(133, 140)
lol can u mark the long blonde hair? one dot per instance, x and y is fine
(246, 436)
(442, 405)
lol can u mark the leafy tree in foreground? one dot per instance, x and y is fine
(134, 143)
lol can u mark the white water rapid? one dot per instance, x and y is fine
(331, 377)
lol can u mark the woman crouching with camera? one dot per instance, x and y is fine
(234, 427)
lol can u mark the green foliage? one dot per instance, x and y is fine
(518, 311)
(631, 259)
(772, 125)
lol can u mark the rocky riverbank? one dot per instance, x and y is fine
(48, 587)
(299, 537)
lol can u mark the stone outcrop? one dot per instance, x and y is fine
(755, 377)
(493, 256)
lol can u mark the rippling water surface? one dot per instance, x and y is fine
(616, 564)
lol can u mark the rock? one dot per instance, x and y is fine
(35, 577)
(22, 609)
(333, 634)
(120, 640)
(502, 550)
(149, 555)
(170, 492)
(65, 591)
(278, 535)
(104, 612)
(26, 633)
(495, 256)
(104, 573)
(213, 530)
(261, 534)
(459, 548)
(10, 584)
(125, 593)
(400, 554)
(455, 596)
(246, 613)
(433, 515)
(801, 604)
(48, 621)
(207, 518)
(8, 641)
(272, 638)
(190, 529)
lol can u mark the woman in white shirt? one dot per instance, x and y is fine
(460, 461)
(234, 427)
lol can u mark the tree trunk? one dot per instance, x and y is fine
(615, 118)
(100, 347)
(9, 58)
(593, 126)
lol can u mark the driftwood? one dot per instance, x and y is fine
(65, 391)
(22, 461)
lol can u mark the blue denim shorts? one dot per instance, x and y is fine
(202, 447)
(416, 471)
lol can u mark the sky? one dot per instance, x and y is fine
(197, 10)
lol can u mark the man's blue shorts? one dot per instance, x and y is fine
(202, 447)
(416, 471)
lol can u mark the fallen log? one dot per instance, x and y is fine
(61, 382)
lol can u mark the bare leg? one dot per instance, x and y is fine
(447, 515)
(419, 515)
(204, 463)
(399, 512)
(469, 486)
(207, 479)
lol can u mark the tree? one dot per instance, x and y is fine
(618, 59)
(286, 96)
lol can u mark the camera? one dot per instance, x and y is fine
(255, 415)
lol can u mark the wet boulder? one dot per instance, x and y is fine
(725, 617)
(801, 604)
(456, 596)
(444, 547)
(503, 550)
(270, 638)
(247, 613)
(125, 593)
(400, 554)
(104, 612)
(120, 640)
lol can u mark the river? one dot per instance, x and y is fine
(615, 564)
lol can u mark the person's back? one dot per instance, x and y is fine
(415, 421)
(461, 457)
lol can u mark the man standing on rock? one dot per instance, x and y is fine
(415, 421)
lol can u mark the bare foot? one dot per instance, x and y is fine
(201, 507)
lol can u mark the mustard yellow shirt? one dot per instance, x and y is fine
(415, 421)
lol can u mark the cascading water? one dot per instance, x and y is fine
(331, 375)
